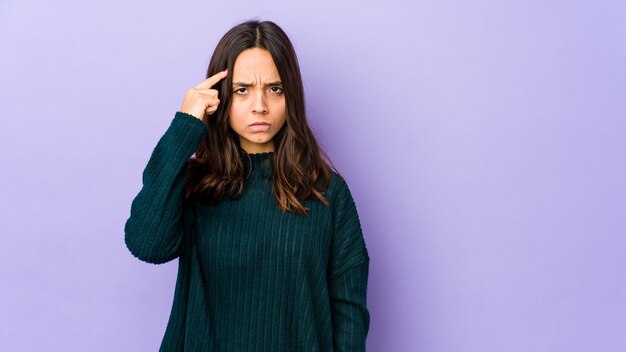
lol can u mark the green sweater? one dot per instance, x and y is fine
(250, 277)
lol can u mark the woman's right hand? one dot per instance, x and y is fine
(201, 99)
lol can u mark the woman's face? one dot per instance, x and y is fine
(257, 97)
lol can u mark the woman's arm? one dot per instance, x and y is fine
(347, 275)
(154, 230)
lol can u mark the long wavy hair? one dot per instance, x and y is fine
(221, 166)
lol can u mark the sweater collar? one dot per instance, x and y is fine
(260, 156)
(261, 162)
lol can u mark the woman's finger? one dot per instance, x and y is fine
(210, 82)
(210, 92)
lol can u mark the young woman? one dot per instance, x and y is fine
(271, 256)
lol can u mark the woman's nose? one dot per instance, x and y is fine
(259, 104)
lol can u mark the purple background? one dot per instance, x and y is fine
(484, 143)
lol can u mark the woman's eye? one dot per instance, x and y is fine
(277, 89)
(239, 91)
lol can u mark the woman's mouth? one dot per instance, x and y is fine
(260, 127)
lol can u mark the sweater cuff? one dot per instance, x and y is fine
(183, 136)
(189, 119)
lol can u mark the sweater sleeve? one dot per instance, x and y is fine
(154, 231)
(348, 275)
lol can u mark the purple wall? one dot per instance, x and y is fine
(484, 143)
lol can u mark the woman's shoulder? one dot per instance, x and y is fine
(338, 188)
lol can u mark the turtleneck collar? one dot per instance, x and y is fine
(260, 156)
(261, 162)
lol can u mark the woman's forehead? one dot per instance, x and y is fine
(255, 66)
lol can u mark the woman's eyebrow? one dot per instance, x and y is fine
(245, 84)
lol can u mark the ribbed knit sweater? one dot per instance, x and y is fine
(250, 277)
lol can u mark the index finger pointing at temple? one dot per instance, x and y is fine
(210, 82)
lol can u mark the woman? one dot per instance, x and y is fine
(271, 253)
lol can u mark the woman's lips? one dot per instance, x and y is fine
(260, 127)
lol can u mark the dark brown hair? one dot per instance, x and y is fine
(219, 170)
